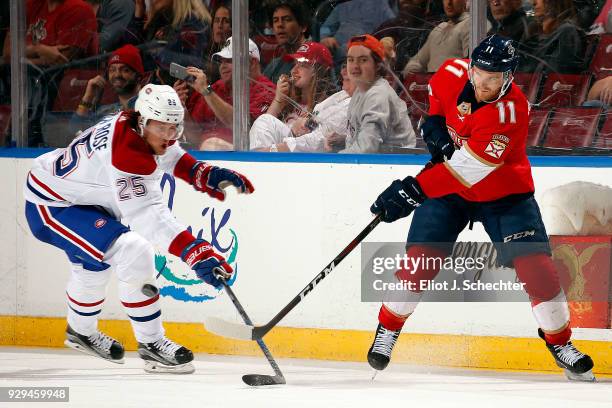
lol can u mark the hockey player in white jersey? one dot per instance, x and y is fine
(100, 201)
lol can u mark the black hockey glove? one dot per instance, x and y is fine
(399, 199)
(439, 142)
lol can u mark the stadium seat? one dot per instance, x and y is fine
(572, 127)
(72, 88)
(601, 64)
(604, 136)
(538, 121)
(529, 83)
(416, 95)
(5, 122)
(563, 90)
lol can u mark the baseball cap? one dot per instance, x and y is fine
(370, 42)
(226, 51)
(128, 55)
(311, 52)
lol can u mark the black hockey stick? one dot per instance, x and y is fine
(255, 380)
(250, 332)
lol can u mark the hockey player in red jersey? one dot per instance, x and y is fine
(100, 201)
(476, 132)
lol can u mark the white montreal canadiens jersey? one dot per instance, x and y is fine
(110, 166)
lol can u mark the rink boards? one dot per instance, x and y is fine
(303, 212)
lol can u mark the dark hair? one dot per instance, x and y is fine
(560, 9)
(297, 8)
(381, 66)
(226, 4)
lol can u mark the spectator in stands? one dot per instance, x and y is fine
(307, 133)
(390, 59)
(210, 106)
(183, 24)
(350, 18)
(112, 16)
(508, 19)
(450, 39)
(600, 93)
(289, 20)
(555, 43)
(221, 31)
(58, 31)
(296, 95)
(409, 30)
(124, 73)
(378, 118)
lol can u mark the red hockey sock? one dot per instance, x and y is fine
(538, 273)
(560, 338)
(390, 320)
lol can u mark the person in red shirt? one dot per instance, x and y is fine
(60, 31)
(211, 105)
(476, 132)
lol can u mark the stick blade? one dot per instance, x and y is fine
(256, 380)
(228, 329)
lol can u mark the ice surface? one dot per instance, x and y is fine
(314, 384)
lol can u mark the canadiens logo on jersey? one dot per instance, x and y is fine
(38, 31)
(100, 222)
(497, 146)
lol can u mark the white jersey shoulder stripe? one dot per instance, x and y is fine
(41, 189)
(468, 167)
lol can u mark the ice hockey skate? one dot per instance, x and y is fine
(97, 344)
(379, 354)
(576, 365)
(166, 356)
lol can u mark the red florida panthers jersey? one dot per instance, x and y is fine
(492, 161)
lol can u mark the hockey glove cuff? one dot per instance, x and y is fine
(399, 199)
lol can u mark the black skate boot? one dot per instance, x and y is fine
(576, 365)
(165, 356)
(380, 351)
(98, 345)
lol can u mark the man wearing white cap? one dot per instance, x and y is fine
(211, 105)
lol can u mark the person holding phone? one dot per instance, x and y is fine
(210, 105)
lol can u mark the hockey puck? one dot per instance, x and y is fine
(149, 290)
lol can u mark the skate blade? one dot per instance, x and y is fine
(155, 367)
(374, 374)
(78, 347)
(584, 377)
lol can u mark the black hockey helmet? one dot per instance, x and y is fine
(496, 54)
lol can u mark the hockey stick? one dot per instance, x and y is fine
(250, 332)
(255, 379)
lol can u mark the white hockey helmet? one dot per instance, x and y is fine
(161, 103)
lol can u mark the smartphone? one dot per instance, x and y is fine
(180, 72)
